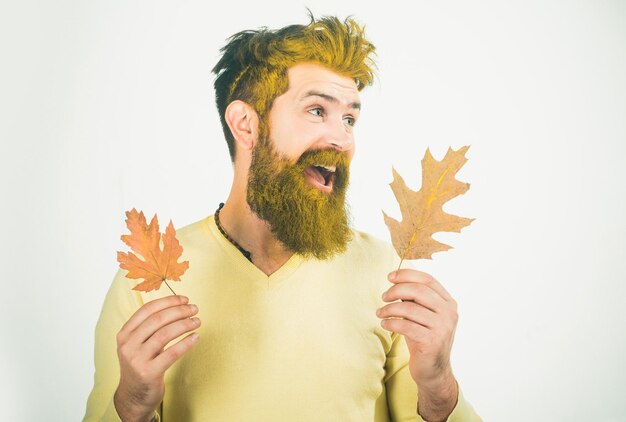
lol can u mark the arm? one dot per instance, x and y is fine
(143, 358)
(438, 398)
(119, 305)
(129, 357)
(402, 392)
(426, 318)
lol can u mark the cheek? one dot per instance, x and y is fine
(299, 137)
(352, 150)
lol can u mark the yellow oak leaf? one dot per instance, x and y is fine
(157, 265)
(422, 211)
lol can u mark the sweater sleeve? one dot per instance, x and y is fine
(120, 304)
(400, 387)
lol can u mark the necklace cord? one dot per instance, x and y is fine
(245, 253)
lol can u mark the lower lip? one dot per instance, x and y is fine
(312, 180)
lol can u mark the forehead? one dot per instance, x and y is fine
(307, 77)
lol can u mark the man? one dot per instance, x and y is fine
(293, 323)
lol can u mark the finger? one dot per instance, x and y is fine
(407, 328)
(415, 276)
(155, 344)
(160, 319)
(170, 355)
(417, 292)
(150, 308)
(408, 310)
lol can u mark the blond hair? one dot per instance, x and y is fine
(254, 63)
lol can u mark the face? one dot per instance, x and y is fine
(298, 177)
(318, 111)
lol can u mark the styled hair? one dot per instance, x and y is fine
(254, 63)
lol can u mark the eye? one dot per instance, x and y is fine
(317, 111)
(349, 120)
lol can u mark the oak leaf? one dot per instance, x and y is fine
(422, 211)
(157, 265)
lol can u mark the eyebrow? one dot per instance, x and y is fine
(330, 98)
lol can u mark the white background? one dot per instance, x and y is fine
(109, 105)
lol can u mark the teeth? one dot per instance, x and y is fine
(329, 168)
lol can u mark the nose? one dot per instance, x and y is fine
(340, 137)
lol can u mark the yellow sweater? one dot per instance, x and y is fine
(303, 344)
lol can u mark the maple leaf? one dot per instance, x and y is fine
(422, 212)
(157, 265)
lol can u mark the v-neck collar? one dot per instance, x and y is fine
(261, 279)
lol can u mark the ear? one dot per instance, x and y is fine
(243, 122)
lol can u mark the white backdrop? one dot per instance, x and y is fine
(108, 105)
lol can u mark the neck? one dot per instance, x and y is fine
(253, 234)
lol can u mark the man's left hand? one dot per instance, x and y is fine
(427, 317)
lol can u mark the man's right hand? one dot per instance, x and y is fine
(143, 360)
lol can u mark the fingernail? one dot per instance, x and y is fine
(185, 299)
(194, 337)
(378, 312)
(392, 276)
(384, 295)
(193, 308)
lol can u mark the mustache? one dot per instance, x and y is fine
(325, 157)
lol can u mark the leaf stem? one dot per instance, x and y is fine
(170, 288)
(399, 265)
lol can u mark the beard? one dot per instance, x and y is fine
(305, 219)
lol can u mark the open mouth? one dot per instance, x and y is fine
(321, 176)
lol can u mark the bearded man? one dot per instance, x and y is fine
(301, 321)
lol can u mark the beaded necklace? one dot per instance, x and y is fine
(245, 253)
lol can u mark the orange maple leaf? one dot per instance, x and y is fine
(157, 265)
(422, 212)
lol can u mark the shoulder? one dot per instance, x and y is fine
(196, 235)
(197, 240)
(369, 248)
(197, 228)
